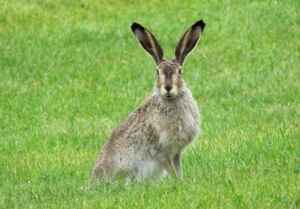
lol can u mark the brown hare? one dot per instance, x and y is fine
(150, 142)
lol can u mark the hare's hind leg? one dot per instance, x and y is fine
(147, 169)
(100, 173)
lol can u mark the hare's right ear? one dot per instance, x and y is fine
(148, 41)
(188, 41)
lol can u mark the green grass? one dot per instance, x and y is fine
(70, 71)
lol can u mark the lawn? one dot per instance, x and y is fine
(71, 71)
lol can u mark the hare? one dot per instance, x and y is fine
(150, 142)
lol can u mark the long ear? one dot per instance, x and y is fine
(148, 41)
(189, 40)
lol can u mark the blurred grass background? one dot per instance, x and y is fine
(70, 71)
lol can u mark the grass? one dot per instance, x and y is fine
(70, 71)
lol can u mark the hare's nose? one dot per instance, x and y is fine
(168, 88)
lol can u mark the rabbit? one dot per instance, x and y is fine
(149, 144)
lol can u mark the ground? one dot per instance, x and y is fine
(70, 71)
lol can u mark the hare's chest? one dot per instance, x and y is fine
(178, 128)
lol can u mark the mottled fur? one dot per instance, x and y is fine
(150, 142)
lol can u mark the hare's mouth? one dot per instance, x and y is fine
(169, 96)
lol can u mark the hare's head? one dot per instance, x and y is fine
(169, 81)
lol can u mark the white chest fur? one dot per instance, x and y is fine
(177, 123)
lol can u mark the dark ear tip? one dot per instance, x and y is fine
(200, 24)
(135, 26)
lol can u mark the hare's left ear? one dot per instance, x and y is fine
(188, 41)
(148, 41)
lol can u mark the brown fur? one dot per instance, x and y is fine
(150, 142)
